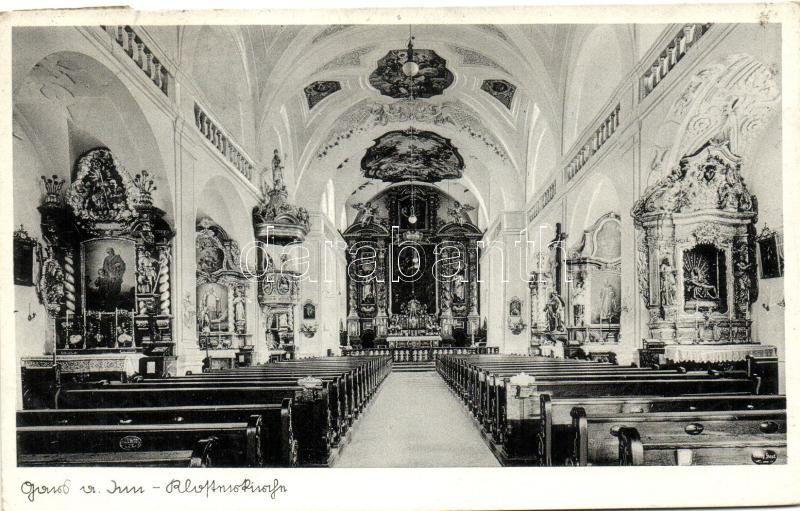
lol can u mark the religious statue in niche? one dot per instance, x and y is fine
(667, 283)
(51, 281)
(578, 289)
(554, 312)
(459, 288)
(368, 296)
(703, 274)
(239, 310)
(146, 272)
(110, 279)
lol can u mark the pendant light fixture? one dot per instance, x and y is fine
(411, 69)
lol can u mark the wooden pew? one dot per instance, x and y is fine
(203, 455)
(595, 438)
(338, 403)
(555, 440)
(484, 385)
(311, 420)
(238, 442)
(698, 450)
(277, 438)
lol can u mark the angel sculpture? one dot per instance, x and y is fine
(366, 212)
(458, 210)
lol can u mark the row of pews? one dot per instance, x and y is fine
(545, 411)
(285, 414)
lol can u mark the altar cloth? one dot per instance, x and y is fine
(413, 341)
(713, 353)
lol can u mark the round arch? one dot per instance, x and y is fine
(75, 102)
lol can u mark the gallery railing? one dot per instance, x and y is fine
(420, 354)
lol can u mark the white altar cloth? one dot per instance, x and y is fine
(413, 341)
(717, 352)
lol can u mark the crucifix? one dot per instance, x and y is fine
(556, 247)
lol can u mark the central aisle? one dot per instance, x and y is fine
(415, 421)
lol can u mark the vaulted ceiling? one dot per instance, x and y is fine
(306, 91)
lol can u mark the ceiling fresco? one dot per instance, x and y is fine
(367, 115)
(501, 90)
(412, 155)
(431, 80)
(318, 91)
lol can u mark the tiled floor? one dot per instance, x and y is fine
(415, 421)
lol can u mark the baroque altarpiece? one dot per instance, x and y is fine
(416, 281)
(222, 295)
(575, 294)
(696, 260)
(104, 268)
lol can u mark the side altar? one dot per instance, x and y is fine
(697, 261)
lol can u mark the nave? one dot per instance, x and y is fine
(217, 271)
(415, 421)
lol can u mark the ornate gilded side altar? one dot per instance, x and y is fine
(104, 269)
(696, 253)
(105, 265)
(222, 294)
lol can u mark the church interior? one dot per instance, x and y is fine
(270, 245)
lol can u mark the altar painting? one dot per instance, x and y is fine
(605, 297)
(109, 269)
(212, 305)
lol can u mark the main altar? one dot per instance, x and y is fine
(412, 272)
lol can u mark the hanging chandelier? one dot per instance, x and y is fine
(410, 68)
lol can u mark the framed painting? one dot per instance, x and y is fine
(109, 273)
(212, 307)
(770, 255)
(309, 311)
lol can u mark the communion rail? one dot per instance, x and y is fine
(420, 354)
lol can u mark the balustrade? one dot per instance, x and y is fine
(543, 200)
(226, 147)
(593, 144)
(141, 55)
(671, 55)
(419, 354)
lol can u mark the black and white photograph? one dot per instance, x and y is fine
(261, 244)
